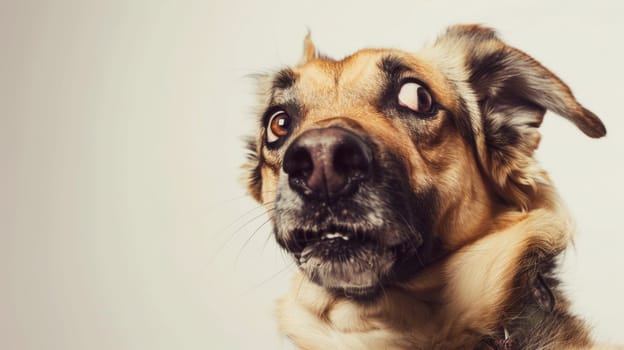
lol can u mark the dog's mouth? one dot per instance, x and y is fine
(352, 263)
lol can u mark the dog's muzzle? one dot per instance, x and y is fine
(346, 212)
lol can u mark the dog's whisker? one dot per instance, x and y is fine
(299, 286)
(384, 294)
(266, 242)
(225, 201)
(420, 261)
(412, 232)
(286, 258)
(330, 211)
(250, 238)
(269, 279)
(240, 217)
(235, 233)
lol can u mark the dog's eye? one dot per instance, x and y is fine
(278, 126)
(415, 97)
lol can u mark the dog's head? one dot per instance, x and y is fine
(376, 165)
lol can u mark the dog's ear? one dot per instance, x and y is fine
(309, 50)
(512, 92)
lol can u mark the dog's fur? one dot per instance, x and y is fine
(485, 222)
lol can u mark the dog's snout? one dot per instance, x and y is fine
(327, 162)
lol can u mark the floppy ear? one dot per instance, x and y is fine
(512, 92)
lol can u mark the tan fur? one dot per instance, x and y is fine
(493, 211)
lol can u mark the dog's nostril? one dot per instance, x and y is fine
(298, 162)
(352, 159)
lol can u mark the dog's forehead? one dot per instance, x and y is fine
(322, 83)
(356, 68)
(357, 80)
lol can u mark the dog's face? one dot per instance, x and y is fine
(376, 165)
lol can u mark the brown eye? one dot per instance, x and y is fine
(278, 126)
(415, 97)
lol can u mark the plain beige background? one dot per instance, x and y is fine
(122, 221)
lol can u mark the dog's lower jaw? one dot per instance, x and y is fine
(359, 271)
(349, 278)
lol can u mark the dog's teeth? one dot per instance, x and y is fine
(334, 236)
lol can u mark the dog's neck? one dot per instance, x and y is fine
(454, 302)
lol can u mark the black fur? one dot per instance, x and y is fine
(463, 123)
(284, 79)
(487, 70)
(536, 315)
(393, 66)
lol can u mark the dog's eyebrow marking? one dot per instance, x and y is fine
(393, 66)
(284, 79)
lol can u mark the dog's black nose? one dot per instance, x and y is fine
(327, 162)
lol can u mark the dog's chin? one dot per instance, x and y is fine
(355, 269)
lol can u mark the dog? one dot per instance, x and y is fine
(405, 189)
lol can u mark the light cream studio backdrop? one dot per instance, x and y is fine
(122, 221)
